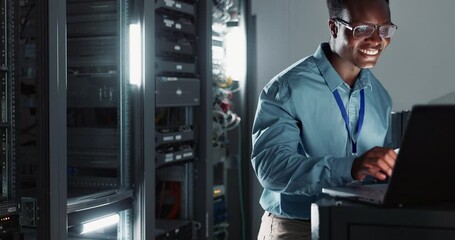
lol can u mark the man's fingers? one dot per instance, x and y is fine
(375, 171)
(373, 166)
(390, 158)
(384, 166)
(385, 160)
(377, 162)
(379, 175)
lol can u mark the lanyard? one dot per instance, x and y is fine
(346, 119)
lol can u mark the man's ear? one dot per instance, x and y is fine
(333, 28)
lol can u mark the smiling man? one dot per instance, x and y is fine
(325, 120)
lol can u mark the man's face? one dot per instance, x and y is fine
(363, 52)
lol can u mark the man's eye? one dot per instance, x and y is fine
(363, 29)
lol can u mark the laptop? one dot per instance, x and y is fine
(424, 171)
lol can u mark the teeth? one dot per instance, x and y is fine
(369, 52)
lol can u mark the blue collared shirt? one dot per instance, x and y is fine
(300, 140)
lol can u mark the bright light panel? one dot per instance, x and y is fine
(236, 54)
(135, 54)
(99, 223)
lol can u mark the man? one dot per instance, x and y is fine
(325, 120)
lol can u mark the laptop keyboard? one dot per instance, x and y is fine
(373, 190)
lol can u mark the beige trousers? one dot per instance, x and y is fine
(274, 228)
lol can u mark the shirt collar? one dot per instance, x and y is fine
(331, 76)
(364, 80)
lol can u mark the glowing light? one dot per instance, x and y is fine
(100, 223)
(236, 54)
(135, 54)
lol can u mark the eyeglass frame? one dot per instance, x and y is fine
(376, 27)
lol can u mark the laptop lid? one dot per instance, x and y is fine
(425, 163)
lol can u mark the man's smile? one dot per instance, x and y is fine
(371, 52)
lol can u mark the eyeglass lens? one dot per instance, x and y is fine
(365, 31)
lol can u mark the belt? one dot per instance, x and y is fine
(269, 214)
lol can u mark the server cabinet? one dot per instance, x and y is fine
(73, 118)
(187, 197)
(31, 71)
(175, 118)
(228, 84)
(99, 120)
(179, 137)
(9, 201)
(177, 96)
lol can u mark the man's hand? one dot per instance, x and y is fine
(377, 162)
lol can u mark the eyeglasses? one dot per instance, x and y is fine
(367, 30)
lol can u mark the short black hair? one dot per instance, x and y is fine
(336, 7)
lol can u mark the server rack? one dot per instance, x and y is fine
(229, 78)
(399, 121)
(99, 121)
(184, 61)
(177, 95)
(9, 201)
(96, 127)
(31, 74)
(176, 121)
